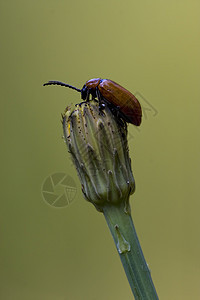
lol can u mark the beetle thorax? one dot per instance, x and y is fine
(90, 88)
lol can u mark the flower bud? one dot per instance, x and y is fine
(97, 141)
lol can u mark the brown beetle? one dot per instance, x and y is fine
(124, 103)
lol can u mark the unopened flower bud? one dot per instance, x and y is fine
(98, 145)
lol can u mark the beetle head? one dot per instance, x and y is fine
(86, 92)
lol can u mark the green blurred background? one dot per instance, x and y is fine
(152, 49)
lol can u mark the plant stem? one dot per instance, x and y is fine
(130, 252)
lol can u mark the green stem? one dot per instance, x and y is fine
(130, 252)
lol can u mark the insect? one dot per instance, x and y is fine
(121, 101)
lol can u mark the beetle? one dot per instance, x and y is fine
(121, 101)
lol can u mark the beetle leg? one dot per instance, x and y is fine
(79, 104)
(98, 95)
(100, 99)
(119, 116)
(88, 95)
(118, 112)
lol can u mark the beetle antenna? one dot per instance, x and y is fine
(53, 82)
